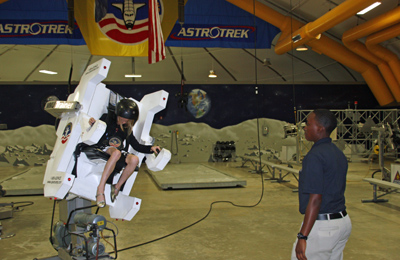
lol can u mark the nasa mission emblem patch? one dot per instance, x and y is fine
(66, 133)
(125, 22)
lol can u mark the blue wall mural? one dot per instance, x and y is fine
(231, 104)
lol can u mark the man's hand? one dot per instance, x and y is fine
(301, 249)
(314, 204)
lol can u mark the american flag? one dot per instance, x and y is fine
(156, 40)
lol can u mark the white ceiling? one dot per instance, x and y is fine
(21, 63)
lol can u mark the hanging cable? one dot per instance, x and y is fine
(293, 85)
(182, 96)
(256, 86)
(229, 202)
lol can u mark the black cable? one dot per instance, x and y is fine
(97, 210)
(200, 220)
(51, 226)
(292, 51)
(256, 88)
(215, 202)
(115, 241)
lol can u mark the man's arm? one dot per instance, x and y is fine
(314, 204)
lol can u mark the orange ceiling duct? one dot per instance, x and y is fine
(314, 29)
(350, 40)
(285, 23)
(371, 75)
(323, 45)
(372, 44)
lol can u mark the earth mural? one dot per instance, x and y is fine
(198, 103)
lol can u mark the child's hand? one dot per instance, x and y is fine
(156, 149)
(92, 121)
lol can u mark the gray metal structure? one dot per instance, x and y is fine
(356, 133)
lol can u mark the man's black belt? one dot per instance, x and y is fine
(332, 216)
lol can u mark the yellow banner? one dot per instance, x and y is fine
(120, 28)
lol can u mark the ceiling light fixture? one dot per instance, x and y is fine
(48, 72)
(132, 76)
(267, 62)
(212, 74)
(369, 8)
(296, 38)
(302, 48)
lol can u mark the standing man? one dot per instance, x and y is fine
(326, 226)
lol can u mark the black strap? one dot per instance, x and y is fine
(77, 153)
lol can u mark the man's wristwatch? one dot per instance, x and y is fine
(301, 236)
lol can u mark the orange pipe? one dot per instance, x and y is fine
(260, 10)
(324, 46)
(314, 29)
(371, 75)
(350, 40)
(372, 44)
(381, 22)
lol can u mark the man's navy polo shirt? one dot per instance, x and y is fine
(324, 172)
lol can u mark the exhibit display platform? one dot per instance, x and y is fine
(193, 176)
